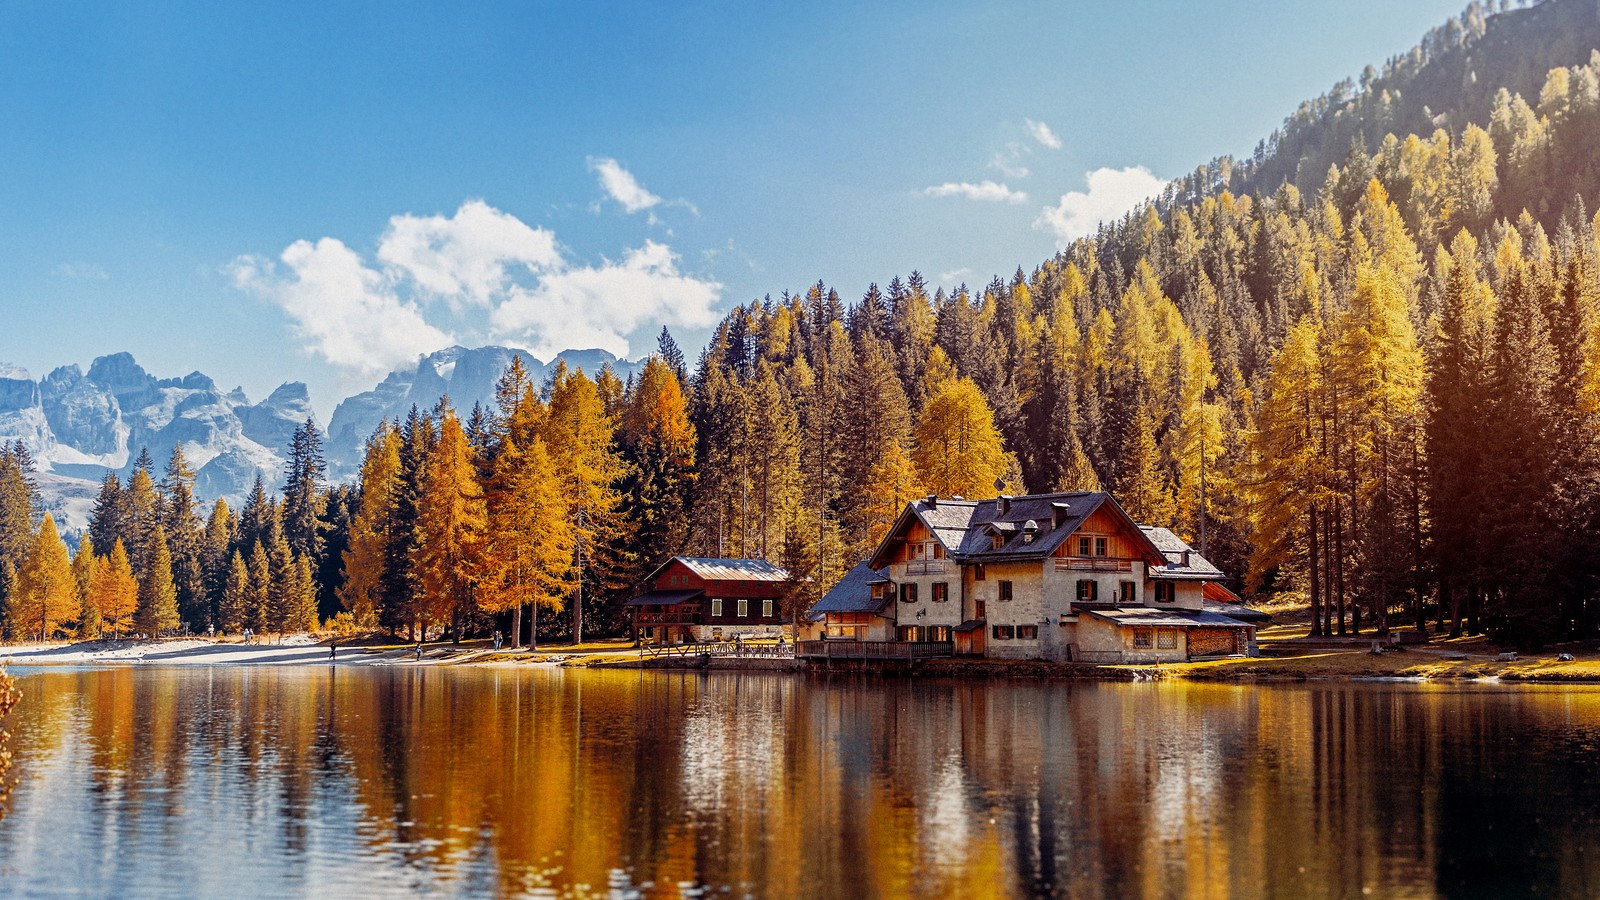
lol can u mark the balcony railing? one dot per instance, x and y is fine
(927, 567)
(876, 649)
(1093, 564)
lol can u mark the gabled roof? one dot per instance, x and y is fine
(946, 519)
(1183, 561)
(853, 593)
(712, 569)
(1048, 519)
(967, 528)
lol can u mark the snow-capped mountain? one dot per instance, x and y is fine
(79, 426)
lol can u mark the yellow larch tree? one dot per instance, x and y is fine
(362, 590)
(959, 450)
(47, 591)
(114, 590)
(450, 523)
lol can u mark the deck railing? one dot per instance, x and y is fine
(876, 649)
(927, 567)
(1092, 564)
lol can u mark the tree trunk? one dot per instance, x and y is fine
(1316, 597)
(516, 627)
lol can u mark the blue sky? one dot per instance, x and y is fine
(317, 191)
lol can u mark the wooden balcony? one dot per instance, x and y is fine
(928, 567)
(876, 649)
(1093, 564)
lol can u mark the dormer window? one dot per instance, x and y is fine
(997, 541)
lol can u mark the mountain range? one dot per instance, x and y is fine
(80, 425)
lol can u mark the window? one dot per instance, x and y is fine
(1125, 592)
(978, 573)
(939, 633)
(1027, 632)
(744, 608)
(909, 632)
(996, 542)
(1142, 638)
(1086, 591)
(982, 608)
(908, 593)
(1005, 592)
(766, 608)
(1165, 592)
(1166, 639)
(941, 592)
(1002, 632)
(1099, 546)
(1083, 546)
(716, 607)
(927, 550)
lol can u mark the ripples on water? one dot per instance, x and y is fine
(141, 781)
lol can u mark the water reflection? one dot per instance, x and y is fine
(305, 781)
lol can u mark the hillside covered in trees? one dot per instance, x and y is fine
(1365, 364)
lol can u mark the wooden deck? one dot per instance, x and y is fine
(876, 649)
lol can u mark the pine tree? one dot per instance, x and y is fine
(257, 517)
(234, 605)
(83, 566)
(302, 491)
(105, 523)
(258, 600)
(217, 543)
(158, 595)
(184, 537)
(400, 591)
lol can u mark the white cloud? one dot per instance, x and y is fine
(464, 258)
(82, 271)
(1042, 133)
(987, 191)
(951, 276)
(346, 312)
(621, 186)
(1112, 192)
(597, 306)
(498, 276)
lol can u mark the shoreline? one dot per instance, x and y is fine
(1437, 664)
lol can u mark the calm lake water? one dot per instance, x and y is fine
(265, 782)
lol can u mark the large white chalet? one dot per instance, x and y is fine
(1065, 577)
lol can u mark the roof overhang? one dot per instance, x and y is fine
(665, 598)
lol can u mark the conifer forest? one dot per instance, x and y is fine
(1365, 363)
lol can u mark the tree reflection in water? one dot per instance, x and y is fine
(501, 781)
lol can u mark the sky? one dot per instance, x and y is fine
(320, 192)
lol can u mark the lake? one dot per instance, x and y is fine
(308, 781)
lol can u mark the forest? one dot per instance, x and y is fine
(1376, 390)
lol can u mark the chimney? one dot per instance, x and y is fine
(1058, 514)
(1186, 559)
(1005, 504)
(933, 501)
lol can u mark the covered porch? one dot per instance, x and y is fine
(665, 618)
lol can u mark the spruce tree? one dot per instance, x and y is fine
(158, 594)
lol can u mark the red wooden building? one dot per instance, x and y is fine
(698, 599)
